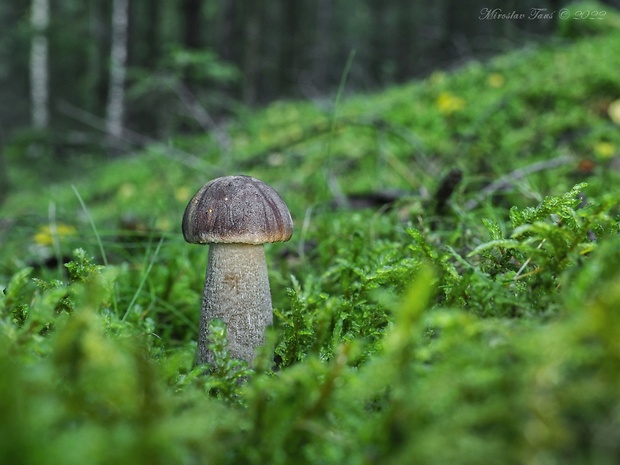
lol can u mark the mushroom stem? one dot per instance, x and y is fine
(237, 292)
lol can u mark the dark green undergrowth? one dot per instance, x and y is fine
(451, 293)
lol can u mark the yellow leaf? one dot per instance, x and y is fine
(45, 234)
(448, 103)
(604, 149)
(496, 80)
(614, 111)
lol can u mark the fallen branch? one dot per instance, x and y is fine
(202, 116)
(136, 139)
(507, 180)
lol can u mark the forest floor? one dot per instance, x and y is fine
(451, 292)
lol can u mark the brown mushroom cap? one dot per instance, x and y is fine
(237, 209)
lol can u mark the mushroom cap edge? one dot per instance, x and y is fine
(236, 209)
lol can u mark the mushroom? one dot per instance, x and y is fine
(236, 215)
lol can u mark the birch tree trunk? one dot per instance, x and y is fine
(118, 70)
(39, 76)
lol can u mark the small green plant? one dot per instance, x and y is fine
(226, 374)
(521, 272)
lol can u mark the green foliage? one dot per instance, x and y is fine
(344, 302)
(12, 302)
(520, 272)
(226, 374)
(486, 332)
(177, 83)
(81, 270)
(199, 66)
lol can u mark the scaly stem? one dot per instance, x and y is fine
(237, 292)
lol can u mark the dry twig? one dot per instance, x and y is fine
(507, 180)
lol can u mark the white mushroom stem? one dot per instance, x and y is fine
(236, 292)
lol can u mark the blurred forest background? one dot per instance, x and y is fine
(83, 76)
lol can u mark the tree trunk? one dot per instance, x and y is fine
(289, 54)
(154, 35)
(4, 176)
(251, 53)
(192, 10)
(97, 47)
(39, 76)
(380, 56)
(406, 40)
(322, 45)
(227, 33)
(118, 70)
